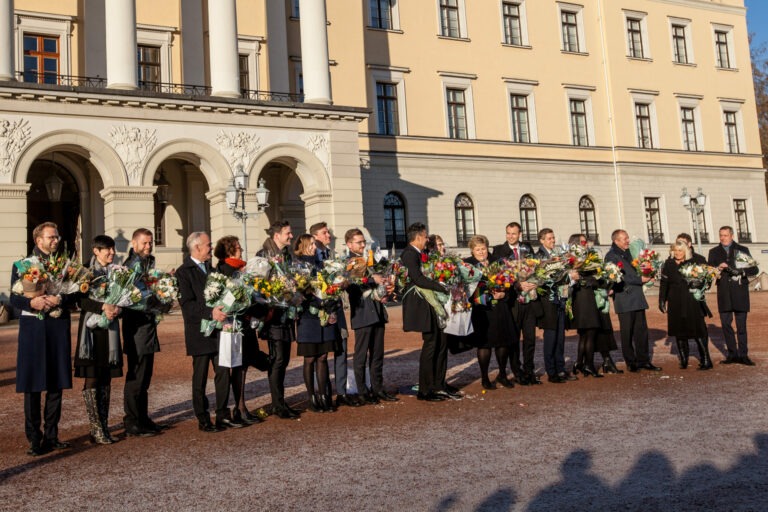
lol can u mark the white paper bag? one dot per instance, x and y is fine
(459, 324)
(352, 383)
(230, 349)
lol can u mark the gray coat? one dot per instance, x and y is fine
(628, 294)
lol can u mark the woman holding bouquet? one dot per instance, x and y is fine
(685, 318)
(98, 357)
(229, 253)
(316, 338)
(435, 245)
(593, 325)
(491, 320)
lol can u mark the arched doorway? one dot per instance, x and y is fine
(285, 190)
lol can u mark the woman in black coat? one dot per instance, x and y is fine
(314, 340)
(685, 318)
(229, 254)
(492, 323)
(593, 326)
(98, 358)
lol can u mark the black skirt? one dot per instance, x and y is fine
(314, 349)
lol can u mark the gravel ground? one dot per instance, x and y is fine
(675, 440)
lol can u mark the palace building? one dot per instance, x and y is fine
(581, 116)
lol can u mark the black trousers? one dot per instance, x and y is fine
(200, 366)
(525, 327)
(135, 392)
(33, 418)
(433, 362)
(634, 337)
(279, 356)
(726, 320)
(369, 346)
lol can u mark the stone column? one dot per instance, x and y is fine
(277, 56)
(314, 52)
(7, 46)
(125, 210)
(13, 230)
(222, 45)
(122, 72)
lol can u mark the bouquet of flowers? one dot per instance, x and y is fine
(744, 260)
(328, 287)
(118, 288)
(524, 271)
(607, 276)
(233, 295)
(159, 291)
(497, 277)
(646, 261)
(33, 278)
(699, 278)
(65, 276)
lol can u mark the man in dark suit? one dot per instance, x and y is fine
(368, 319)
(523, 310)
(630, 305)
(44, 362)
(140, 343)
(418, 316)
(192, 276)
(732, 295)
(552, 320)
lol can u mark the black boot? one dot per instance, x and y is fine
(682, 352)
(608, 365)
(314, 403)
(104, 393)
(705, 362)
(90, 396)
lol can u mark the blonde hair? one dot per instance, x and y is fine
(679, 244)
(477, 240)
(303, 244)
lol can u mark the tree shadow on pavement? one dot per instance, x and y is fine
(653, 485)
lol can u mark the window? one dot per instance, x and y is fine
(731, 132)
(570, 28)
(679, 44)
(386, 108)
(528, 219)
(635, 38)
(579, 122)
(722, 49)
(382, 15)
(449, 18)
(149, 67)
(588, 220)
(41, 59)
(643, 125)
(295, 9)
(244, 74)
(742, 224)
(513, 33)
(520, 125)
(457, 114)
(653, 220)
(394, 220)
(688, 120)
(465, 219)
(701, 221)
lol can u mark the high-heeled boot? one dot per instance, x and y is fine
(103, 394)
(91, 408)
(608, 365)
(705, 362)
(682, 352)
(578, 365)
(315, 403)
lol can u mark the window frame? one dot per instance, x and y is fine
(730, 49)
(461, 17)
(578, 12)
(250, 48)
(693, 103)
(687, 27)
(734, 107)
(397, 77)
(654, 237)
(41, 75)
(394, 11)
(394, 123)
(456, 81)
(643, 127)
(642, 30)
(159, 37)
(461, 221)
(395, 234)
(742, 236)
(647, 98)
(584, 212)
(525, 220)
(518, 87)
(48, 25)
(522, 20)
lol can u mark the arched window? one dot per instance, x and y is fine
(394, 220)
(529, 219)
(588, 219)
(465, 219)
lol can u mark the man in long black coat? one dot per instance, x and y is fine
(732, 295)
(192, 276)
(630, 305)
(44, 362)
(418, 316)
(524, 312)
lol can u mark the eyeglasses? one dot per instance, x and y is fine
(52, 237)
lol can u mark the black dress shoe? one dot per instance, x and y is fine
(285, 414)
(729, 360)
(533, 379)
(487, 384)
(452, 389)
(556, 379)
(154, 427)
(503, 381)
(253, 418)
(449, 395)
(567, 377)
(383, 395)
(649, 366)
(238, 416)
(37, 450)
(632, 367)
(369, 398)
(590, 372)
(430, 397)
(55, 444)
(230, 423)
(346, 400)
(746, 361)
(210, 428)
(139, 432)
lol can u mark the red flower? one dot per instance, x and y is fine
(620, 264)
(424, 257)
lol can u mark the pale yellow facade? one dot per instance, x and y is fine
(330, 162)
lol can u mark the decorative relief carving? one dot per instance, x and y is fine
(238, 148)
(318, 145)
(13, 137)
(133, 145)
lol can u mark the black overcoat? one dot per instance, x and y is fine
(550, 309)
(364, 311)
(492, 324)
(732, 294)
(191, 281)
(685, 314)
(138, 327)
(417, 313)
(628, 295)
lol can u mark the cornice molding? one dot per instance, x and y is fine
(14, 190)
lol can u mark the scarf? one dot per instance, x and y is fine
(235, 263)
(113, 329)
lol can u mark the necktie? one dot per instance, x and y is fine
(202, 267)
(517, 256)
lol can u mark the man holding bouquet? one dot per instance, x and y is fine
(192, 276)
(736, 265)
(630, 304)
